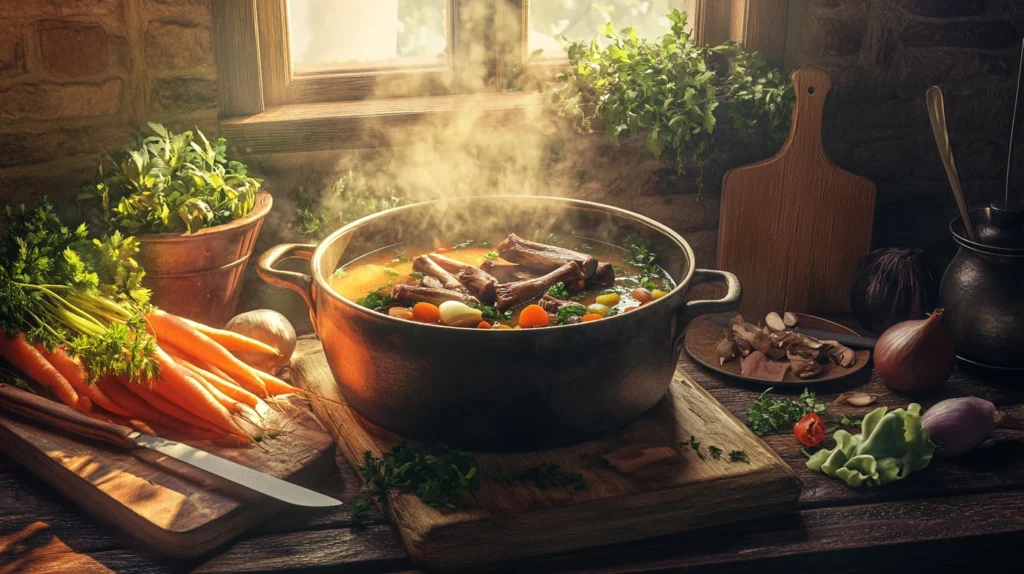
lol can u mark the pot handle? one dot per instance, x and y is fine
(298, 282)
(692, 309)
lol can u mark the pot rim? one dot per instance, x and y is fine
(981, 247)
(261, 207)
(324, 286)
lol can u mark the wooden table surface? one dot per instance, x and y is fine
(967, 512)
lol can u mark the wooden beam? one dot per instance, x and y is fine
(275, 50)
(765, 28)
(756, 24)
(237, 53)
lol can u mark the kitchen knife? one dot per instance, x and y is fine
(63, 417)
(852, 341)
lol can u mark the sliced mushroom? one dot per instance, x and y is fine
(841, 355)
(727, 351)
(790, 319)
(803, 367)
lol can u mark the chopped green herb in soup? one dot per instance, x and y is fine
(509, 283)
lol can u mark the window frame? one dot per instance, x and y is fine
(266, 109)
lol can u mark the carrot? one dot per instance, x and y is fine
(232, 341)
(216, 377)
(132, 423)
(591, 317)
(138, 408)
(168, 408)
(173, 330)
(426, 312)
(276, 386)
(225, 386)
(534, 316)
(73, 371)
(225, 401)
(31, 362)
(483, 325)
(176, 384)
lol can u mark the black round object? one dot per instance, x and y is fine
(892, 285)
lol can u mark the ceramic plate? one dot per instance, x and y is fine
(703, 335)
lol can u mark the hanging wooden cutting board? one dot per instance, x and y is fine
(794, 227)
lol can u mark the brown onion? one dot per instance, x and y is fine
(915, 355)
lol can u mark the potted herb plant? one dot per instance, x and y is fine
(195, 213)
(669, 91)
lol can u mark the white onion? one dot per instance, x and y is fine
(266, 326)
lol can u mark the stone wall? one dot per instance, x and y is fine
(77, 77)
(883, 55)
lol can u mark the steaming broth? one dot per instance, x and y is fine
(380, 271)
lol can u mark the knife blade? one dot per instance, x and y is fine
(852, 341)
(45, 411)
(232, 471)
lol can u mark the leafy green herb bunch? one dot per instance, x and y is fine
(669, 89)
(61, 288)
(170, 182)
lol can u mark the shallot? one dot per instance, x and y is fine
(958, 425)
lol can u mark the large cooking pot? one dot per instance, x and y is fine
(499, 389)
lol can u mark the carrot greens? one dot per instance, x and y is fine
(60, 287)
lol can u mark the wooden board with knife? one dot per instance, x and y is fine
(170, 507)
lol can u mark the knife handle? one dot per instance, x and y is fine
(63, 417)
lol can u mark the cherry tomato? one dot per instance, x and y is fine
(809, 430)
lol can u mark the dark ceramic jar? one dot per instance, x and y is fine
(982, 292)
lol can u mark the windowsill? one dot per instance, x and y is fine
(362, 123)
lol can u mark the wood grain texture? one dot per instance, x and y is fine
(508, 522)
(237, 53)
(794, 227)
(764, 28)
(702, 337)
(167, 506)
(366, 123)
(275, 50)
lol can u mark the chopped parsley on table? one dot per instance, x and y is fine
(545, 476)
(770, 414)
(438, 475)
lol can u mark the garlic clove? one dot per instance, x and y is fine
(790, 319)
(775, 322)
(458, 314)
(856, 398)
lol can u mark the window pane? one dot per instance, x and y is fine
(330, 35)
(580, 20)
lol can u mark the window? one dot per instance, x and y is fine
(337, 35)
(304, 75)
(552, 20)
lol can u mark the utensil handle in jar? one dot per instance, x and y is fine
(729, 302)
(298, 282)
(50, 413)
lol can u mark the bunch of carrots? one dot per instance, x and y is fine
(202, 389)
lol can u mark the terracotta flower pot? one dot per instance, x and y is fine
(199, 275)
